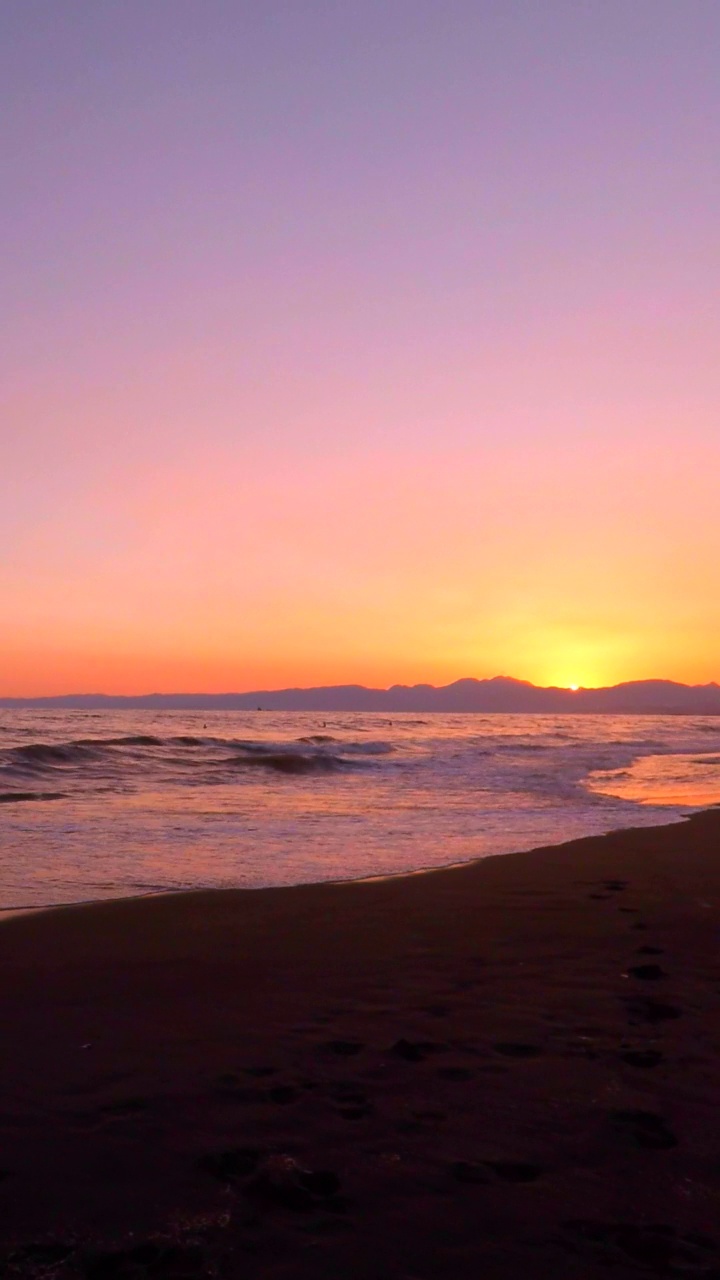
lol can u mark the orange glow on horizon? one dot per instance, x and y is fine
(366, 573)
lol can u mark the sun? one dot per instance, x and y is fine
(573, 688)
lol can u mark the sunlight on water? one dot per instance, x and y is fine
(98, 805)
(674, 779)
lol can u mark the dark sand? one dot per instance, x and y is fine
(511, 1070)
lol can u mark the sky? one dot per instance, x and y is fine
(372, 341)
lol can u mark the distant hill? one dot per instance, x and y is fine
(501, 694)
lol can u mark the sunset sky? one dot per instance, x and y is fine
(368, 341)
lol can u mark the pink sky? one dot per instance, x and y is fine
(371, 344)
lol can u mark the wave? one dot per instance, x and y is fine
(57, 755)
(144, 740)
(66, 750)
(291, 762)
(135, 740)
(379, 748)
(95, 756)
(43, 753)
(18, 797)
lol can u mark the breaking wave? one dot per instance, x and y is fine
(52, 756)
(133, 758)
(292, 762)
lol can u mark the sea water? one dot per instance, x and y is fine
(101, 805)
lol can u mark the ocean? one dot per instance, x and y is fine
(102, 805)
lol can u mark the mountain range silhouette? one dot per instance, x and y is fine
(499, 694)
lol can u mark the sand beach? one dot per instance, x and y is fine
(504, 1069)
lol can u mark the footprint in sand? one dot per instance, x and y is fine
(423, 1122)
(344, 1048)
(479, 1173)
(348, 1092)
(230, 1165)
(514, 1170)
(230, 1088)
(469, 1172)
(125, 1107)
(516, 1049)
(608, 888)
(352, 1103)
(642, 1057)
(416, 1050)
(354, 1113)
(454, 1073)
(657, 1248)
(647, 972)
(651, 1011)
(646, 1128)
(283, 1094)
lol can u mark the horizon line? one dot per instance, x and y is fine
(232, 693)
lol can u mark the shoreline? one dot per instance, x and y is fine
(8, 913)
(507, 1067)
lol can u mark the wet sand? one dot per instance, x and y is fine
(503, 1070)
